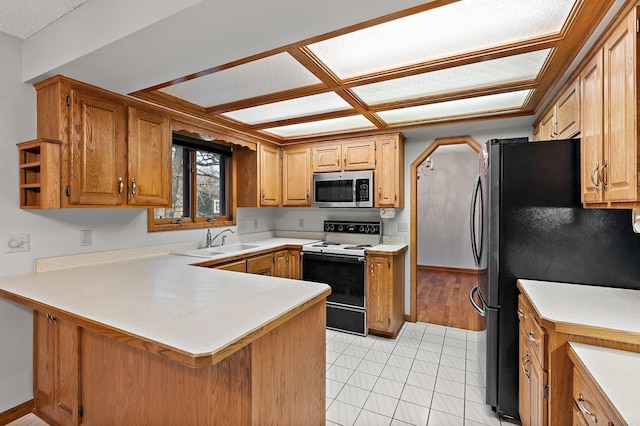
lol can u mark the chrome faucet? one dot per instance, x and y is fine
(224, 237)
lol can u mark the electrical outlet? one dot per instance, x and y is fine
(17, 243)
(403, 227)
(300, 223)
(241, 225)
(85, 237)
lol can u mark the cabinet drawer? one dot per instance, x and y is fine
(237, 266)
(588, 402)
(260, 264)
(534, 335)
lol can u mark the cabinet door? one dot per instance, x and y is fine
(282, 267)
(547, 126)
(327, 158)
(524, 380)
(379, 294)
(97, 153)
(56, 369)
(538, 378)
(591, 150)
(270, 176)
(568, 111)
(149, 159)
(389, 178)
(620, 114)
(261, 265)
(296, 177)
(295, 272)
(359, 155)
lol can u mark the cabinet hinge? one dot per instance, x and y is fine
(395, 197)
(67, 191)
(388, 321)
(68, 100)
(638, 179)
(80, 411)
(388, 264)
(545, 391)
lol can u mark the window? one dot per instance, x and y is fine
(200, 186)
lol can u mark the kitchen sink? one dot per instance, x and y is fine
(215, 251)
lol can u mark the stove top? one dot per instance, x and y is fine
(347, 238)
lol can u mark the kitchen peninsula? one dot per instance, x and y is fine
(155, 340)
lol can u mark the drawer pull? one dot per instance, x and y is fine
(584, 409)
(521, 314)
(525, 361)
(532, 339)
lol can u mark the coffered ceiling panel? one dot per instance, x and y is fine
(445, 61)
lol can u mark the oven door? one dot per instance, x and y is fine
(345, 275)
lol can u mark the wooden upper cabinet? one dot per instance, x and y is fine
(568, 111)
(621, 112)
(359, 154)
(547, 125)
(609, 151)
(327, 158)
(114, 151)
(296, 176)
(270, 176)
(591, 151)
(149, 158)
(389, 171)
(97, 147)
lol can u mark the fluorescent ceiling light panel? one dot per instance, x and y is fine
(509, 69)
(460, 27)
(268, 75)
(316, 104)
(356, 122)
(461, 107)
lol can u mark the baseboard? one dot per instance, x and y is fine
(16, 412)
(449, 269)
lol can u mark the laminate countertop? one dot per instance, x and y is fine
(201, 315)
(618, 375)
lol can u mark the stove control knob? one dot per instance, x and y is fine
(329, 227)
(340, 228)
(368, 229)
(361, 228)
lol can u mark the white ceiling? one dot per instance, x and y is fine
(23, 18)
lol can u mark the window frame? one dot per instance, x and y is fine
(193, 222)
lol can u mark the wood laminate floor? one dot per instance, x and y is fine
(443, 298)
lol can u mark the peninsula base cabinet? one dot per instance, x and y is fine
(385, 293)
(56, 378)
(103, 377)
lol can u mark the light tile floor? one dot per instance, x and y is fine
(429, 375)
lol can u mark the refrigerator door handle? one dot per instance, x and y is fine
(477, 190)
(480, 310)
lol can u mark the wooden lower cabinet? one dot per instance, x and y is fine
(532, 385)
(236, 266)
(279, 378)
(261, 265)
(385, 293)
(56, 378)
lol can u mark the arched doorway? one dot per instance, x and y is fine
(413, 244)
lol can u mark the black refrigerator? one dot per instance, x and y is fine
(527, 221)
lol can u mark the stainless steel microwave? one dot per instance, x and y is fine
(345, 189)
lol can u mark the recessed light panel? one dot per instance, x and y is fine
(460, 27)
(510, 69)
(334, 125)
(458, 108)
(268, 75)
(299, 107)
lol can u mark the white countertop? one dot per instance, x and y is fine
(388, 248)
(602, 307)
(163, 299)
(618, 374)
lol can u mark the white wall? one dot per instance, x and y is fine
(443, 208)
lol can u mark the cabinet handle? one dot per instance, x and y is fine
(345, 159)
(584, 409)
(52, 319)
(371, 268)
(603, 175)
(286, 260)
(120, 187)
(593, 180)
(521, 314)
(307, 195)
(532, 339)
(525, 361)
(262, 195)
(133, 188)
(338, 160)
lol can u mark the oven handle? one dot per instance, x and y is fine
(333, 257)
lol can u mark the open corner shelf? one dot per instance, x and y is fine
(39, 168)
